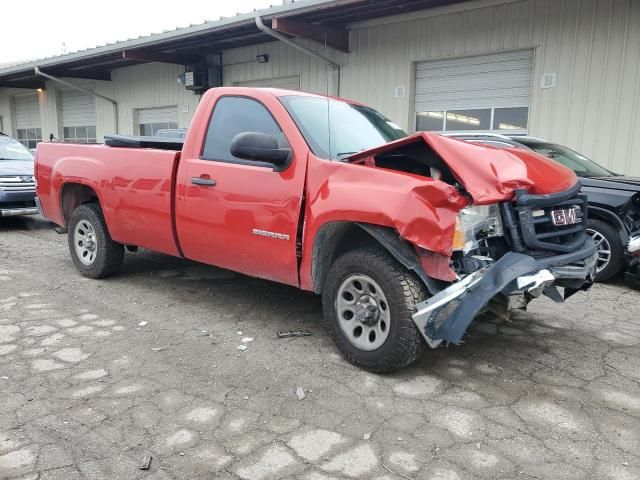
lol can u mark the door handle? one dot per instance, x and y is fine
(203, 181)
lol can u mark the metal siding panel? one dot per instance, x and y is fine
(27, 111)
(78, 109)
(158, 115)
(286, 83)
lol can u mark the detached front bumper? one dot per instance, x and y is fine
(446, 316)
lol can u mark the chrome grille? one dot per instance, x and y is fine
(21, 183)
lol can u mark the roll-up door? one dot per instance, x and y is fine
(482, 92)
(286, 83)
(150, 120)
(78, 116)
(27, 119)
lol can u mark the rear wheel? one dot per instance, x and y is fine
(93, 251)
(368, 300)
(610, 249)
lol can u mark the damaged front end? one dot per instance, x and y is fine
(508, 255)
(491, 228)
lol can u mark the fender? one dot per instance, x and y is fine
(610, 217)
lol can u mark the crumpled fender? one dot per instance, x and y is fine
(422, 210)
(488, 174)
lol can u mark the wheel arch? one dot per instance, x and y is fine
(72, 195)
(336, 238)
(598, 213)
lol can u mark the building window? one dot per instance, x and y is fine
(80, 134)
(29, 137)
(150, 129)
(506, 120)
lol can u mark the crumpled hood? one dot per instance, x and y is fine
(488, 174)
(15, 167)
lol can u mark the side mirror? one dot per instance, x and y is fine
(260, 147)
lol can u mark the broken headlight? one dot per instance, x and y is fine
(475, 223)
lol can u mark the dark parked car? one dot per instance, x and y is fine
(17, 185)
(614, 203)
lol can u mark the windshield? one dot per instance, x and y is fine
(353, 127)
(581, 165)
(11, 149)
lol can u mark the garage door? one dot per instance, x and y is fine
(27, 117)
(78, 116)
(286, 83)
(483, 92)
(150, 120)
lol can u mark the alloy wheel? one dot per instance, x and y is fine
(604, 249)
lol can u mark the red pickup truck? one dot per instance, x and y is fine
(407, 238)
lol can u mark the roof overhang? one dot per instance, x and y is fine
(319, 20)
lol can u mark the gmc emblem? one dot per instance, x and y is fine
(566, 216)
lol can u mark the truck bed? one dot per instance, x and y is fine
(135, 188)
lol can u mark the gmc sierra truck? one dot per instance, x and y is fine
(407, 238)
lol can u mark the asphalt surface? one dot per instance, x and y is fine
(97, 375)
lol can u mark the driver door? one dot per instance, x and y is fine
(239, 214)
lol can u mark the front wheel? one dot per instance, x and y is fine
(93, 251)
(368, 300)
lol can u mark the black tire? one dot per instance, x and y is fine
(612, 236)
(403, 292)
(108, 254)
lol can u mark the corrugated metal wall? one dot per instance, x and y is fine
(284, 61)
(152, 85)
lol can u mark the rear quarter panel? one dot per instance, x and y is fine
(134, 187)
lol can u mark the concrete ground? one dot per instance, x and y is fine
(96, 375)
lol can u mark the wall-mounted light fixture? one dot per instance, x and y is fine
(262, 58)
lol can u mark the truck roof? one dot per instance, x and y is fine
(280, 92)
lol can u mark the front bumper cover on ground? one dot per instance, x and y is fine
(446, 316)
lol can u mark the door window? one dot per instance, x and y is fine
(234, 115)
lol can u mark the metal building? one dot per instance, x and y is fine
(565, 70)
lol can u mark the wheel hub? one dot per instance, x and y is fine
(366, 310)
